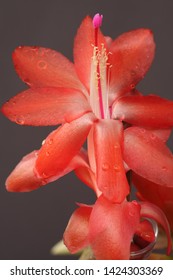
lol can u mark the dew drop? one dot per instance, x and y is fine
(116, 146)
(43, 142)
(34, 48)
(131, 213)
(132, 86)
(153, 136)
(20, 120)
(116, 168)
(164, 168)
(142, 130)
(133, 73)
(44, 175)
(47, 153)
(105, 166)
(14, 102)
(50, 141)
(42, 64)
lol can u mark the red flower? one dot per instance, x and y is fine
(97, 92)
(95, 99)
(109, 227)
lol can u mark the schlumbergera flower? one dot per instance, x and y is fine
(95, 99)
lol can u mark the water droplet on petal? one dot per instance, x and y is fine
(164, 168)
(116, 168)
(42, 64)
(105, 166)
(44, 175)
(116, 146)
(142, 130)
(135, 202)
(133, 73)
(50, 141)
(20, 120)
(47, 153)
(132, 86)
(43, 142)
(153, 136)
(131, 213)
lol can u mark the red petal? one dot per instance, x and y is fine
(156, 194)
(83, 49)
(76, 233)
(111, 177)
(22, 178)
(148, 156)
(111, 228)
(132, 55)
(152, 211)
(42, 67)
(46, 106)
(149, 111)
(145, 232)
(62, 145)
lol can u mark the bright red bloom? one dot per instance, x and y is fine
(95, 99)
(97, 92)
(109, 227)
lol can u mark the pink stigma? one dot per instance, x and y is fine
(97, 20)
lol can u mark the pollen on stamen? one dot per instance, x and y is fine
(97, 20)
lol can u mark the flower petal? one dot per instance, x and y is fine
(152, 211)
(83, 49)
(76, 234)
(22, 178)
(148, 156)
(131, 56)
(157, 194)
(149, 111)
(111, 177)
(42, 67)
(62, 145)
(46, 106)
(111, 228)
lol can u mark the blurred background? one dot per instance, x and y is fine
(31, 223)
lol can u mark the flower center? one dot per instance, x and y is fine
(98, 81)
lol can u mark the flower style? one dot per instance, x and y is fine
(95, 99)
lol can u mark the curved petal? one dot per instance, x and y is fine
(149, 111)
(23, 178)
(42, 67)
(76, 234)
(62, 145)
(152, 211)
(131, 56)
(110, 172)
(156, 194)
(111, 228)
(148, 156)
(144, 234)
(46, 106)
(83, 49)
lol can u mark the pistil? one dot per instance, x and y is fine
(97, 22)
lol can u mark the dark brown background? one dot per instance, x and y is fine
(31, 223)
